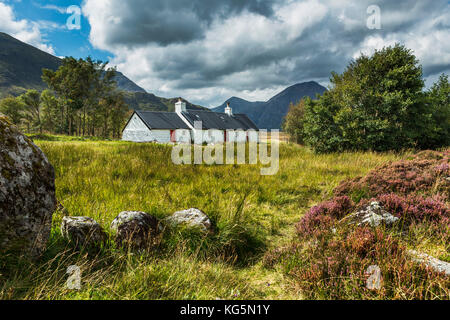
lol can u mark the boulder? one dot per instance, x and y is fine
(431, 262)
(373, 215)
(82, 231)
(135, 229)
(27, 193)
(193, 218)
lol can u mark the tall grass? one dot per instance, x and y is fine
(251, 214)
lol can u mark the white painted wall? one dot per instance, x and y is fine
(137, 131)
(161, 136)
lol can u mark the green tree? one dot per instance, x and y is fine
(51, 113)
(293, 121)
(13, 108)
(80, 85)
(377, 103)
(32, 103)
(438, 100)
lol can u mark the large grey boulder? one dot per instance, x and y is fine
(83, 231)
(135, 229)
(193, 218)
(27, 193)
(373, 215)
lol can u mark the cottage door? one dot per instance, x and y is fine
(173, 136)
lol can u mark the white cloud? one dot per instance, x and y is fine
(23, 30)
(252, 53)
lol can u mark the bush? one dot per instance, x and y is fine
(414, 208)
(378, 104)
(321, 217)
(336, 269)
(426, 173)
(293, 122)
(329, 260)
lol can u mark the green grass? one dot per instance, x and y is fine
(252, 214)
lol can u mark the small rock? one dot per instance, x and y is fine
(433, 263)
(193, 217)
(135, 229)
(373, 215)
(83, 231)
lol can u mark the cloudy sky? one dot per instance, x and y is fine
(210, 50)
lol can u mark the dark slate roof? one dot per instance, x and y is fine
(221, 121)
(162, 120)
(248, 123)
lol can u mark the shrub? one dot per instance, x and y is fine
(329, 260)
(427, 173)
(336, 269)
(321, 217)
(414, 208)
(378, 104)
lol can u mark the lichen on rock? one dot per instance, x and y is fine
(27, 193)
(83, 232)
(192, 218)
(373, 215)
(135, 229)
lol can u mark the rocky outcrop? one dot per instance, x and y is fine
(373, 215)
(193, 218)
(135, 229)
(27, 193)
(82, 231)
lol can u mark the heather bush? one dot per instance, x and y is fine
(427, 173)
(414, 208)
(336, 268)
(321, 217)
(328, 260)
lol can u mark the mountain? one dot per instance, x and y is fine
(21, 69)
(270, 114)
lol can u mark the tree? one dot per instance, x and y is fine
(32, 103)
(51, 111)
(293, 122)
(86, 93)
(13, 108)
(377, 104)
(438, 100)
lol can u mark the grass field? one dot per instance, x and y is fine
(253, 215)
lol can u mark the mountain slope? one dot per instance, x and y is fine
(21, 69)
(270, 114)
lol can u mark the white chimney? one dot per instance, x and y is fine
(180, 106)
(228, 110)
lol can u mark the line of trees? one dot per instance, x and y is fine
(82, 99)
(378, 103)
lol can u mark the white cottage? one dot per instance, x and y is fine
(183, 126)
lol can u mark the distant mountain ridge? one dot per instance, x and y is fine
(21, 69)
(270, 114)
